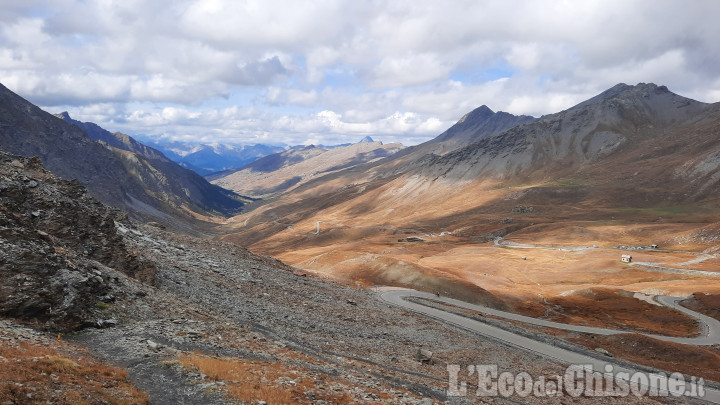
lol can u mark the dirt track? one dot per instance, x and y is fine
(398, 297)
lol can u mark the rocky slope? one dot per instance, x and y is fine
(474, 126)
(314, 340)
(619, 121)
(64, 264)
(143, 183)
(479, 124)
(59, 252)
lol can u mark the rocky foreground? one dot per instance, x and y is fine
(198, 321)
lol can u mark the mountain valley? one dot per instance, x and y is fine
(270, 285)
(534, 218)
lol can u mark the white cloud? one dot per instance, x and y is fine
(282, 96)
(406, 69)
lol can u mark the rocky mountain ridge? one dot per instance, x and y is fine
(116, 139)
(585, 133)
(481, 123)
(126, 175)
(632, 153)
(167, 179)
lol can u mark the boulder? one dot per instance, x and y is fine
(603, 351)
(424, 356)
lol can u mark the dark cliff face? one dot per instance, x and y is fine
(120, 173)
(59, 248)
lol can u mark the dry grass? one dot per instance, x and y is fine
(690, 360)
(251, 381)
(708, 304)
(31, 373)
(618, 310)
(699, 361)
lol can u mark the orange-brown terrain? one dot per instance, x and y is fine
(705, 303)
(690, 360)
(35, 369)
(533, 219)
(538, 263)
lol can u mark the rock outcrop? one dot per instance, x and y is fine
(60, 251)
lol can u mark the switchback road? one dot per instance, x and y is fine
(398, 297)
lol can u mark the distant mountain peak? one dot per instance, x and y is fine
(366, 140)
(481, 113)
(477, 124)
(643, 98)
(63, 115)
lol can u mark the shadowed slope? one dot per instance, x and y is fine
(126, 175)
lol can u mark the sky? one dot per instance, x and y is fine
(329, 72)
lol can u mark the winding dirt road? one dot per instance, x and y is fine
(709, 336)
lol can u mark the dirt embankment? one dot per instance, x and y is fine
(708, 304)
(36, 369)
(613, 309)
(675, 357)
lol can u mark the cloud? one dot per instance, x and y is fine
(328, 69)
(282, 96)
(259, 72)
(408, 70)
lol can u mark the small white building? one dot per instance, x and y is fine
(626, 258)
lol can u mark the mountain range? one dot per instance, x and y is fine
(601, 215)
(631, 154)
(216, 159)
(206, 159)
(116, 169)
